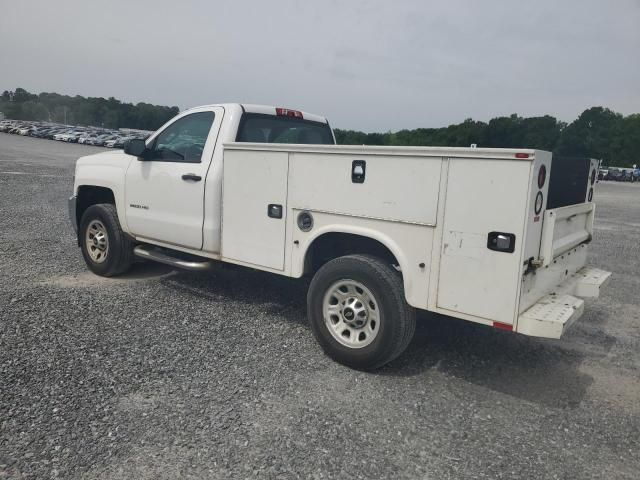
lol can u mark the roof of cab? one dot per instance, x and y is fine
(269, 110)
(266, 110)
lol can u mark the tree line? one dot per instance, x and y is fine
(78, 110)
(597, 133)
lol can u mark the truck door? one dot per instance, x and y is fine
(164, 192)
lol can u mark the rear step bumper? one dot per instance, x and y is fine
(553, 314)
(148, 253)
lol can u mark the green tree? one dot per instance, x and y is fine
(540, 132)
(33, 110)
(625, 147)
(597, 133)
(592, 135)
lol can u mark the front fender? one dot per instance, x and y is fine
(90, 171)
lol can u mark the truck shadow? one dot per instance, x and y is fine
(278, 295)
(542, 371)
(140, 272)
(146, 271)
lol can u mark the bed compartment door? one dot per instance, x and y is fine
(254, 207)
(483, 196)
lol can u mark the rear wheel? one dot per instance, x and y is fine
(358, 312)
(106, 249)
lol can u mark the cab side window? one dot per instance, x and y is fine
(183, 140)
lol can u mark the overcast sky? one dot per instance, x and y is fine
(367, 65)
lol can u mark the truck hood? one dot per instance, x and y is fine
(108, 158)
(105, 169)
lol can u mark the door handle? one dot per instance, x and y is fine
(191, 176)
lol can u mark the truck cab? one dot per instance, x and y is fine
(171, 193)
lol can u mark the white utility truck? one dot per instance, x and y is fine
(493, 236)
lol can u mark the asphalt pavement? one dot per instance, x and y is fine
(165, 374)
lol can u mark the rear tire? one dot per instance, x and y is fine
(106, 249)
(358, 312)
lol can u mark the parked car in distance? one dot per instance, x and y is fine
(629, 174)
(602, 173)
(86, 135)
(99, 140)
(86, 138)
(110, 142)
(61, 136)
(121, 141)
(615, 175)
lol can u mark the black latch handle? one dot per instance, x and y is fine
(274, 210)
(358, 171)
(501, 242)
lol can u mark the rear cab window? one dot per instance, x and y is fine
(263, 128)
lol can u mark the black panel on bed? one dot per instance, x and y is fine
(569, 181)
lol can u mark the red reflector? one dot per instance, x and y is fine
(285, 112)
(503, 326)
(522, 155)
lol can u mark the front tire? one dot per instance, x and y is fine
(106, 249)
(358, 312)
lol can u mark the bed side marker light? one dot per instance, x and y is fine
(503, 326)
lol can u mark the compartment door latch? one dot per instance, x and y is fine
(501, 242)
(358, 171)
(274, 210)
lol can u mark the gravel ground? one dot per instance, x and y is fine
(166, 374)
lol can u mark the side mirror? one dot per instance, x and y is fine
(135, 147)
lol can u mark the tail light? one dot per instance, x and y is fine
(285, 112)
(542, 176)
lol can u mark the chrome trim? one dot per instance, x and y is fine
(71, 204)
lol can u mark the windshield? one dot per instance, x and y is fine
(260, 128)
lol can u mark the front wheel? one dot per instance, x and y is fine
(106, 249)
(358, 312)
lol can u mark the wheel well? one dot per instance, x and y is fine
(336, 244)
(91, 195)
